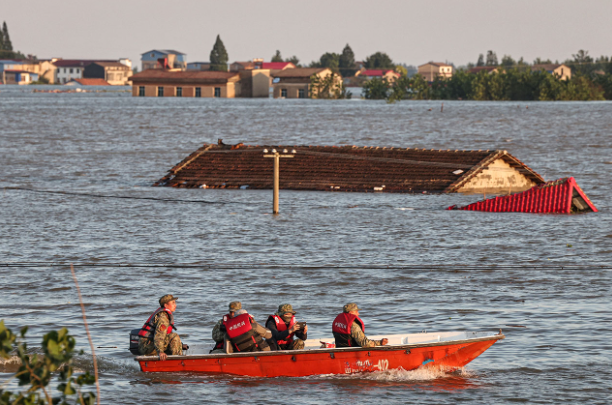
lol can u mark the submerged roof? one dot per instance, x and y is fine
(562, 196)
(347, 168)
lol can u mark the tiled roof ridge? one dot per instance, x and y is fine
(244, 146)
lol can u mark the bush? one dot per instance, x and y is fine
(36, 370)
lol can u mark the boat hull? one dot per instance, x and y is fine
(301, 363)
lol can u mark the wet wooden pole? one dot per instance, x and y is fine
(276, 181)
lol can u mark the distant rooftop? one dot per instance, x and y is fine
(164, 51)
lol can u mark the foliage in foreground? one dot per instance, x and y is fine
(329, 87)
(508, 85)
(37, 370)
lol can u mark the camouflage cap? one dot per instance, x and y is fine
(351, 306)
(285, 308)
(166, 299)
(235, 306)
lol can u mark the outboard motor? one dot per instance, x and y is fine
(134, 342)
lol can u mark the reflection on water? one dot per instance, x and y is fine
(325, 249)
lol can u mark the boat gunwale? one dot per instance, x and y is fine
(321, 350)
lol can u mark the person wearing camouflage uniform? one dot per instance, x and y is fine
(218, 332)
(163, 343)
(286, 313)
(356, 332)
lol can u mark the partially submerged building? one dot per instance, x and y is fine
(431, 70)
(352, 168)
(189, 83)
(562, 196)
(296, 82)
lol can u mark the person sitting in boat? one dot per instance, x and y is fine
(218, 332)
(286, 332)
(243, 334)
(158, 336)
(348, 329)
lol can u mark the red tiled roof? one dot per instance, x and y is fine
(200, 76)
(277, 65)
(561, 196)
(91, 82)
(329, 168)
(375, 72)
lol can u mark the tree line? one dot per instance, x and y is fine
(340, 63)
(591, 80)
(6, 46)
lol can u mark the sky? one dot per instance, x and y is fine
(409, 31)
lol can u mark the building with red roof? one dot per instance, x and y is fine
(277, 65)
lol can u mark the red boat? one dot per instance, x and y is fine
(447, 350)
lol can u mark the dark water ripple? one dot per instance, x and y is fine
(324, 250)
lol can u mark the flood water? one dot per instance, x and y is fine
(408, 263)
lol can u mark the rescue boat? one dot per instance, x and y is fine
(446, 350)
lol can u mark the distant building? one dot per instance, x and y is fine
(163, 59)
(558, 69)
(127, 62)
(488, 69)
(198, 66)
(68, 69)
(238, 66)
(432, 69)
(164, 83)
(389, 75)
(114, 73)
(87, 82)
(295, 82)
(10, 76)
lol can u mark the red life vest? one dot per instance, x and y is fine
(281, 326)
(148, 329)
(341, 328)
(241, 333)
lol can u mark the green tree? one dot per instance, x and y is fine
(346, 62)
(277, 57)
(329, 87)
(36, 370)
(6, 39)
(379, 60)
(480, 61)
(330, 60)
(605, 83)
(294, 59)
(507, 62)
(401, 70)
(218, 56)
(2, 41)
(376, 89)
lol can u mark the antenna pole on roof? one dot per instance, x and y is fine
(276, 155)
